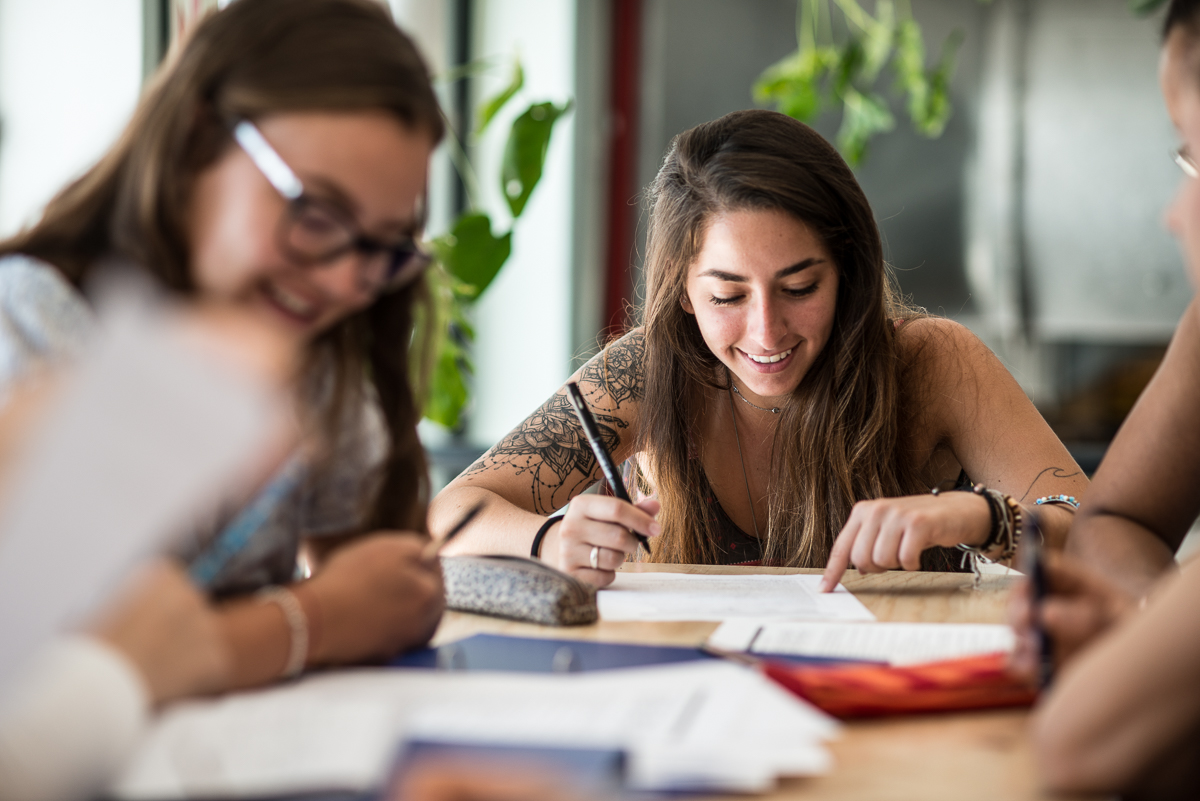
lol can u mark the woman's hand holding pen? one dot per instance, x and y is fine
(603, 524)
(1080, 606)
(375, 597)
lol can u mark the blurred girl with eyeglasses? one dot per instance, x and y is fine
(277, 164)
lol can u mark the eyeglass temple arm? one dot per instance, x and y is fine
(266, 159)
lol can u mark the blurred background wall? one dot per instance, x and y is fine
(1035, 219)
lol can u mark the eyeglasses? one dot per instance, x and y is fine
(316, 231)
(1186, 162)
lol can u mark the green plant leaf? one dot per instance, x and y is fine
(489, 109)
(909, 62)
(793, 84)
(850, 64)
(864, 116)
(472, 253)
(879, 41)
(1145, 8)
(525, 153)
(930, 118)
(448, 386)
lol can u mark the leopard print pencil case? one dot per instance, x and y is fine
(518, 588)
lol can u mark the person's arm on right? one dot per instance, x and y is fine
(1146, 493)
(544, 463)
(1115, 718)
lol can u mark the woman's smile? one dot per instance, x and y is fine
(769, 362)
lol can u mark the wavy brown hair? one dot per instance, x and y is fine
(839, 436)
(255, 58)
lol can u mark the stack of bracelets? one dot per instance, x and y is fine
(1007, 526)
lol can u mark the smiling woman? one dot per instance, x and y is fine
(277, 164)
(779, 403)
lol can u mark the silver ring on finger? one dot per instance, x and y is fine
(594, 561)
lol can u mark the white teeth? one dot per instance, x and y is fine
(292, 303)
(770, 359)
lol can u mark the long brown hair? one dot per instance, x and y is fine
(838, 439)
(257, 57)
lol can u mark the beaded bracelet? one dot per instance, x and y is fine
(1067, 501)
(1004, 535)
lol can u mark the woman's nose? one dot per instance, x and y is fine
(344, 278)
(767, 324)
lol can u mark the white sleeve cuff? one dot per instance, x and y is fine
(70, 722)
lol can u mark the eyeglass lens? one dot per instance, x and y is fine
(317, 232)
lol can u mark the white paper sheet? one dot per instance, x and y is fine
(687, 596)
(895, 643)
(701, 725)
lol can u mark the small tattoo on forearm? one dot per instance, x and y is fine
(1055, 472)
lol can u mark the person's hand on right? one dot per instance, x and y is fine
(603, 522)
(373, 598)
(169, 631)
(1080, 606)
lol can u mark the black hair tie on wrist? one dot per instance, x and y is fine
(536, 550)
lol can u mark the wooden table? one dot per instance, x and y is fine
(958, 757)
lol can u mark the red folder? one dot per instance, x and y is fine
(849, 691)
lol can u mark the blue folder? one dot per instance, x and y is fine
(536, 655)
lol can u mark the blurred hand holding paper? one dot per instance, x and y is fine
(686, 596)
(151, 427)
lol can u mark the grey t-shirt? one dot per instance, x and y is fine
(44, 321)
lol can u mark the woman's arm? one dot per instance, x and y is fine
(965, 398)
(1146, 493)
(544, 463)
(371, 598)
(992, 427)
(1130, 700)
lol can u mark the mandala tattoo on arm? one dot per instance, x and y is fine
(550, 447)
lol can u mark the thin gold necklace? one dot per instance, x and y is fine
(741, 457)
(772, 410)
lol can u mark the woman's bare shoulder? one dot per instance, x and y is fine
(614, 375)
(933, 347)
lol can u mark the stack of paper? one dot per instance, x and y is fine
(894, 643)
(697, 726)
(686, 596)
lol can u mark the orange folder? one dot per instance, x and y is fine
(848, 691)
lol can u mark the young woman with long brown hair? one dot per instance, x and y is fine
(781, 404)
(277, 164)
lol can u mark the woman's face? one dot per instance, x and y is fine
(1181, 90)
(763, 291)
(366, 164)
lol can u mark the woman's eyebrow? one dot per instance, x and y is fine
(333, 191)
(800, 265)
(721, 275)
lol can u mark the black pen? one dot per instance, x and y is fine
(435, 546)
(606, 463)
(1035, 568)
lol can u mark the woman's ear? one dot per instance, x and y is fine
(686, 303)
